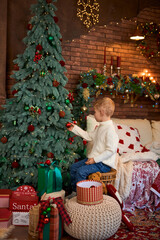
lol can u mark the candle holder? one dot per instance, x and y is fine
(119, 70)
(104, 70)
(111, 70)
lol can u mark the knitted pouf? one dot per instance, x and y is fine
(95, 222)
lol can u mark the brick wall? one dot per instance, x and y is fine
(87, 53)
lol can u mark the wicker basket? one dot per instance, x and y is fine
(109, 177)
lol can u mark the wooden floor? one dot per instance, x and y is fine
(21, 233)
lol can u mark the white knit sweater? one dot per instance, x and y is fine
(105, 142)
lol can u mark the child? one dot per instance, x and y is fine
(102, 157)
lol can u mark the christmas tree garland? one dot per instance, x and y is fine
(149, 29)
(92, 84)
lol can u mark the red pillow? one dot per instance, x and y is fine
(129, 139)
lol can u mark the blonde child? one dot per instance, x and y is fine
(102, 157)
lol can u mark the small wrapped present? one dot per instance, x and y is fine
(5, 195)
(51, 229)
(49, 179)
(54, 195)
(23, 199)
(89, 192)
(20, 218)
(33, 220)
(5, 218)
(52, 216)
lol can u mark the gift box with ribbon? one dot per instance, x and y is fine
(5, 195)
(23, 199)
(51, 218)
(49, 179)
(5, 218)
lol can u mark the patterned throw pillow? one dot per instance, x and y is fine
(129, 139)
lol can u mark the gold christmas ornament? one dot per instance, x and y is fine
(86, 94)
(156, 96)
(88, 12)
(111, 86)
(84, 108)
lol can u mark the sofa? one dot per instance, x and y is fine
(139, 153)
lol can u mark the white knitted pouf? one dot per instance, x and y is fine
(95, 222)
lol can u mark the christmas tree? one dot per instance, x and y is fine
(34, 120)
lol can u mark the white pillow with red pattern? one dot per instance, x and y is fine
(129, 139)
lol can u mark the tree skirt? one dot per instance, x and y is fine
(147, 227)
(5, 232)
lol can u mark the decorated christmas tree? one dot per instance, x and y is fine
(34, 120)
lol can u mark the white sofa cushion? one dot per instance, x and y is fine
(143, 126)
(156, 130)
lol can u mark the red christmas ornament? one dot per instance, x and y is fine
(70, 97)
(16, 67)
(39, 111)
(74, 122)
(84, 85)
(31, 128)
(71, 140)
(48, 1)
(14, 92)
(68, 125)
(39, 47)
(29, 26)
(15, 164)
(4, 139)
(109, 81)
(84, 142)
(55, 19)
(62, 63)
(76, 160)
(62, 114)
(46, 220)
(48, 162)
(61, 39)
(50, 155)
(94, 76)
(55, 83)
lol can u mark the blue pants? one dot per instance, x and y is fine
(79, 171)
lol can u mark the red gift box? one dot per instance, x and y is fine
(5, 195)
(89, 192)
(23, 199)
(5, 218)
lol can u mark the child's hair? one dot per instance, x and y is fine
(105, 104)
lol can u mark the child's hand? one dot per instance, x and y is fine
(90, 161)
(71, 127)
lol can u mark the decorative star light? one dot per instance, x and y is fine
(89, 12)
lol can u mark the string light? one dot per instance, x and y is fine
(89, 12)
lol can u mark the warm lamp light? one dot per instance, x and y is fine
(137, 35)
